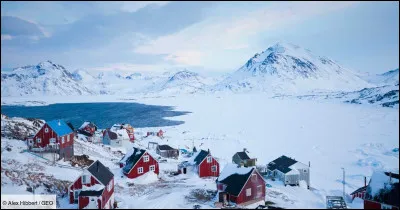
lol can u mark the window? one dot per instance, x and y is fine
(214, 168)
(85, 179)
(253, 177)
(68, 138)
(146, 158)
(385, 206)
(152, 168)
(305, 171)
(140, 170)
(248, 192)
(39, 140)
(62, 140)
(46, 130)
(209, 159)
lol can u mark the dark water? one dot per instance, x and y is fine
(104, 115)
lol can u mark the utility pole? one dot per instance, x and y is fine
(344, 182)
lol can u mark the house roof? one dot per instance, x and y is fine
(111, 134)
(165, 147)
(200, 157)
(383, 188)
(359, 190)
(235, 178)
(91, 124)
(102, 173)
(243, 155)
(131, 158)
(59, 127)
(281, 164)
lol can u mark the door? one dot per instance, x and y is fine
(76, 193)
(184, 170)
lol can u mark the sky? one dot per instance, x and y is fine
(209, 37)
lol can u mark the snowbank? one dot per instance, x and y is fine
(380, 180)
(357, 203)
(146, 178)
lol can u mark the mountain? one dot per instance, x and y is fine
(388, 78)
(183, 81)
(288, 68)
(46, 78)
(386, 96)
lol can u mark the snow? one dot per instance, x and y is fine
(121, 133)
(357, 203)
(96, 187)
(290, 69)
(329, 133)
(293, 172)
(93, 204)
(84, 125)
(298, 166)
(127, 155)
(230, 169)
(282, 68)
(147, 178)
(379, 180)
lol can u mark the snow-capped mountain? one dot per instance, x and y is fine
(388, 78)
(289, 68)
(182, 82)
(46, 78)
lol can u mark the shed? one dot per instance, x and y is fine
(167, 151)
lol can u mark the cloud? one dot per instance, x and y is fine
(133, 6)
(208, 40)
(15, 26)
(6, 37)
(190, 58)
(130, 67)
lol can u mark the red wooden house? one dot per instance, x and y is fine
(360, 192)
(203, 163)
(54, 136)
(89, 128)
(137, 162)
(94, 188)
(382, 191)
(241, 185)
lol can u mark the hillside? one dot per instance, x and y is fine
(287, 68)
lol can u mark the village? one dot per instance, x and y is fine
(242, 183)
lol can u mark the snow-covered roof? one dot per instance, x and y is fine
(127, 155)
(292, 172)
(121, 133)
(380, 180)
(231, 169)
(298, 166)
(96, 187)
(84, 125)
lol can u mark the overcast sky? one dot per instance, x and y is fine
(203, 36)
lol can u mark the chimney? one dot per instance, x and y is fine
(208, 150)
(244, 149)
(365, 181)
(309, 164)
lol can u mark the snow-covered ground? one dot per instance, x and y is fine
(330, 135)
